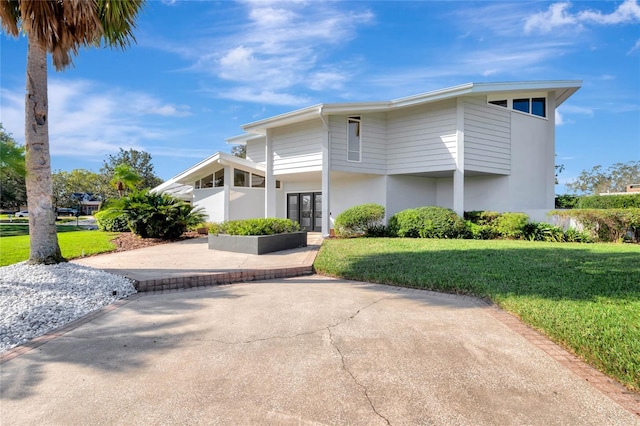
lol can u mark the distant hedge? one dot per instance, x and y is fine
(610, 225)
(627, 201)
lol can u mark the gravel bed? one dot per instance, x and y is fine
(35, 299)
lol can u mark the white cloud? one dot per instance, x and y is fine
(248, 94)
(635, 48)
(559, 119)
(558, 15)
(88, 120)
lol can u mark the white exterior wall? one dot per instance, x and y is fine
(532, 167)
(486, 193)
(348, 190)
(487, 137)
(373, 134)
(297, 148)
(408, 192)
(212, 201)
(255, 150)
(246, 203)
(422, 139)
(444, 192)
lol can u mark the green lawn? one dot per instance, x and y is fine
(585, 297)
(74, 241)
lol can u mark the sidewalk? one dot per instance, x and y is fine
(190, 263)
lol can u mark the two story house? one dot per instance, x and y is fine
(477, 146)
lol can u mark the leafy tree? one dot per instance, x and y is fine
(614, 179)
(140, 163)
(13, 190)
(124, 177)
(65, 184)
(59, 27)
(239, 151)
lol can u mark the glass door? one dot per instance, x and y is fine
(306, 209)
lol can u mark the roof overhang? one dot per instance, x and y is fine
(201, 169)
(563, 90)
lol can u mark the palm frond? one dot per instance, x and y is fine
(10, 16)
(118, 21)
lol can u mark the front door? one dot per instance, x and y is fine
(306, 209)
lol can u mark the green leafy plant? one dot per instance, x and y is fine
(607, 225)
(152, 215)
(627, 201)
(511, 225)
(427, 222)
(566, 201)
(110, 223)
(361, 220)
(258, 226)
(540, 231)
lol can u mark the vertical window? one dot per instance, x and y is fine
(539, 107)
(521, 105)
(353, 139)
(240, 178)
(257, 181)
(219, 178)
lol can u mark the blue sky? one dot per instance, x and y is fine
(199, 70)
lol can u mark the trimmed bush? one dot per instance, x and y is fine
(109, 223)
(362, 220)
(427, 222)
(511, 225)
(628, 201)
(610, 225)
(258, 226)
(480, 232)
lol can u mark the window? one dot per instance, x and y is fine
(207, 182)
(521, 105)
(219, 178)
(240, 178)
(502, 103)
(353, 138)
(257, 181)
(539, 107)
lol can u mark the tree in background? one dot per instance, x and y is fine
(124, 178)
(59, 27)
(13, 190)
(65, 184)
(614, 179)
(239, 151)
(140, 163)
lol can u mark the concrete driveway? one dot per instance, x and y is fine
(308, 350)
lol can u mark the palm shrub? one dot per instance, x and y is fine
(152, 215)
(361, 220)
(427, 222)
(540, 231)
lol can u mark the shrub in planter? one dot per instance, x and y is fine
(258, 226)
(107, 223)
(361, 220)
(427, 222)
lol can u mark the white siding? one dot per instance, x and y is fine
(256, 150)
(297, 148)
(373, 144)
(422, 139)
(487, 136)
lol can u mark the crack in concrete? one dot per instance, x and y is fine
(355, 380)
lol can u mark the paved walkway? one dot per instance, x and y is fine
(190, 263)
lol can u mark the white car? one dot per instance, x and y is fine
(22, 214)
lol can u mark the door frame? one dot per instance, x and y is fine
(314, 195)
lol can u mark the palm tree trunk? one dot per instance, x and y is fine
(42, 228)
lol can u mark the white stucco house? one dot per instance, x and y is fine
(477, 146)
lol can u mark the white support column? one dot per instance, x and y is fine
(326, 178)
(458, 174)
(227, 190)
(270, 182)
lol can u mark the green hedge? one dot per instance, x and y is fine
(627, 201)
(361, 220)
(258, 226)
(610, 225)
(487, 225)
(427, 222)
(110, 223)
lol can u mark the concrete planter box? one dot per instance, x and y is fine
(257, 244)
